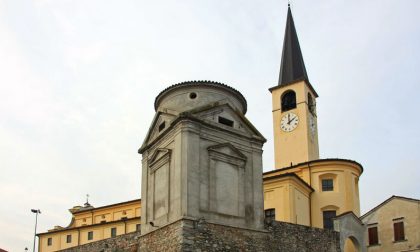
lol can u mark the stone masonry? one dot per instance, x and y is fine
(201, 158)
(122, 243)
(199, 235)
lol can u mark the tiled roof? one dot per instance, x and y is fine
(107, 206)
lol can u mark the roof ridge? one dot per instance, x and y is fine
(315, 161)
(386, 201)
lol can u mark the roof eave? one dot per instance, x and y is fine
(293, 82)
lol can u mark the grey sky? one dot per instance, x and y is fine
(78, 80)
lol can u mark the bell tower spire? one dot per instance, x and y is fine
(294, 110)
(292, 67)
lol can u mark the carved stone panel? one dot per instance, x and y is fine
(160, 193)
(226, 180)
(159, 168)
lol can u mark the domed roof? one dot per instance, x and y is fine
(204, 84)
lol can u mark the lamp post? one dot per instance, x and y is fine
(36, 212)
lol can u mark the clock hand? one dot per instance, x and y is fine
(291, 120)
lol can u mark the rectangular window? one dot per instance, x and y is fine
(373, 235)
(328, 219)
(68, 239)
(270, 214)
(399, 231)
(113, 232)
(138, 226)
(49, 241)
(327, 185)
(90, 235)
(161, 126)
(225, 121)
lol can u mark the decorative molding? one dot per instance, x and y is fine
(156, 160)
(214, 151)
(229, 155)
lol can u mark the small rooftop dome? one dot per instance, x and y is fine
(188, 95)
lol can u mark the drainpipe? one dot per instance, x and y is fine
(310, 198)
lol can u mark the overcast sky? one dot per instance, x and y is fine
(78, 81)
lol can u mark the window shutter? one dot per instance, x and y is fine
(396, 231)
(373, 235)
(399, 231)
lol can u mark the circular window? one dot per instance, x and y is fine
(193, 95)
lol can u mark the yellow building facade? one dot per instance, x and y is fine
(393, 225)
(89, 224)
(302, 188)
(302, 198)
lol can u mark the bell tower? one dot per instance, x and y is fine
(294, 106)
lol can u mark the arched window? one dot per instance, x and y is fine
(288, 100)
(311, 104)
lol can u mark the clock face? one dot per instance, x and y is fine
(289, 122)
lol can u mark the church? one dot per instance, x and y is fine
(202, 175)
(312, 191)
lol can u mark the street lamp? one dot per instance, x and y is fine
(35, 211)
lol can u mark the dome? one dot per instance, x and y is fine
(188, 95)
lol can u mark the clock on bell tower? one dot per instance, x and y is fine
(294, 107)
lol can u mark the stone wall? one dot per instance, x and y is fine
(350, 227)
(167, 238)
(189, 235)
(197, 236)
(122, 243)
(292, 237)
